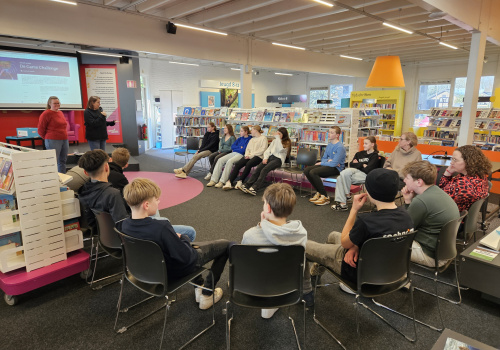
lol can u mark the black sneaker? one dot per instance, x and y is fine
(309, 299)
(339, 207)
(251, 191)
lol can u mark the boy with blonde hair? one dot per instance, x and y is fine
(274, 229)
(181, 257)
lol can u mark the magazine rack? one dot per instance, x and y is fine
(40, 210)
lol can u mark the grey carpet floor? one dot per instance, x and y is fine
(68, 315)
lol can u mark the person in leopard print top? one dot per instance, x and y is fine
(471, 182)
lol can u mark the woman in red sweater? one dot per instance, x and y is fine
(52, 128)
(471, 182)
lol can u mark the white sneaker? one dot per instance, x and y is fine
(211, 183)
(227, 186)
(346, 289)
(219, 185)
(197, 294)
(206, 301)
(267, 313)
(238, 185)
(208, 177)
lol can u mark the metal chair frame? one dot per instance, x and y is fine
(445, 250)
(378, 274)
(153, 280)
(307, 157)
(249, 266)
(192, 144)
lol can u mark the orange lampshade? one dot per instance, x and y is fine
(386, 72)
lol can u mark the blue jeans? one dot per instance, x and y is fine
(97, 144)
(181, 229)
(61, 147)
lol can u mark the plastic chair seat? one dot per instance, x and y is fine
(266, 302)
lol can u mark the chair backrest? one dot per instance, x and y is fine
(266, 271)
(307, 157)
(107, 234)
(446, 248)
(385, 260)
(381, 161)
(470, 223)
(144, 262)
(193, 143)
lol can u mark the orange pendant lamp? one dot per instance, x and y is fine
(386, 72)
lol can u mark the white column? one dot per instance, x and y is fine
(474, 71)
(246, 85)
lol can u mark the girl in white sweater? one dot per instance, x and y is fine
(253, 157)
(274, 157)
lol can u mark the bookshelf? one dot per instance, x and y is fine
(444, 126)
(193, 122)
(41, 209)
(390, 104)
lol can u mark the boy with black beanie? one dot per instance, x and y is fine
(341, 251)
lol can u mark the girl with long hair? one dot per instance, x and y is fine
(225, 144)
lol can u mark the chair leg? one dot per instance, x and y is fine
(316, 319)
(295, 329)
(228, 325)
(93, 281)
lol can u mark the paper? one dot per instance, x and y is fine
(483, 253)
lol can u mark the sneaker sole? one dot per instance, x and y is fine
(322, 203)
(227, 188)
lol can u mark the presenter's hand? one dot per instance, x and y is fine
(358, 201)
(351, 256)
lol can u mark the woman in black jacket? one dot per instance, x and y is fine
(209, 145)
(96, 125)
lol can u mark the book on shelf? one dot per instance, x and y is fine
(244, 116)
(187, 111)
(454, 123)
(450, 143)
(277, 116)
(203, 112)
(297, 117)
(232, 115)
(197, 111)
(5, 168)
(11, 240)
(290, 116)
(223, 112)
(268, 116)
(260, 115)
(253, 115)
(238, 116)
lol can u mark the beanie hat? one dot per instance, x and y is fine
(382, 184)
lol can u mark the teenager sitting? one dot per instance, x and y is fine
(274, 157)
(404, 153)
(181, 257)
(341, 251)
(238, 149)
(429, 207)
(332, 163)
(209, 144)
(253, 157)
(275, 229)
(362, 163)
(225, 144)
(471, 182)
(117, 163)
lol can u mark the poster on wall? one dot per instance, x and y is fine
(229, 98)
(101, 80)
(211, 101)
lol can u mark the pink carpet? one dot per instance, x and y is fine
(173, 190)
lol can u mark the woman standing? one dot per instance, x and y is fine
(274, 157)
(253, 157)
(208, 146)
(52, 127)
(96, 125)
(362, 163)
(404, 153)
(225, 144)
(471, 182)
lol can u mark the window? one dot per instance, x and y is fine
(318, 94)
(431, 94)
(338, 92)
(485, 89)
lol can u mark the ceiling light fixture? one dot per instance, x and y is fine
(290, 46)
(448, 45)
(198, 28)
(235, 69)
(187, 64)
(65, 2)
(324, 3)
(386, 72)
(398, 28)
(352, 58)
(287, 74)
(100, 53)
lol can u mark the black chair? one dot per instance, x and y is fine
(446, 249)
(192, 144)
(145, 268)
(265, 277)
(383, 267)
(109, 242)
(305, 157)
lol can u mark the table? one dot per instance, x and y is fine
(18, 140)
(480, 274)
(447, 333)
(438, 162)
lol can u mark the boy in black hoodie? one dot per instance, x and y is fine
(118, 161)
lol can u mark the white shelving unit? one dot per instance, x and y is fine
(40, 210)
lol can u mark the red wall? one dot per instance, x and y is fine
(11, 120)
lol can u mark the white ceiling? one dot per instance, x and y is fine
(351, 27)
